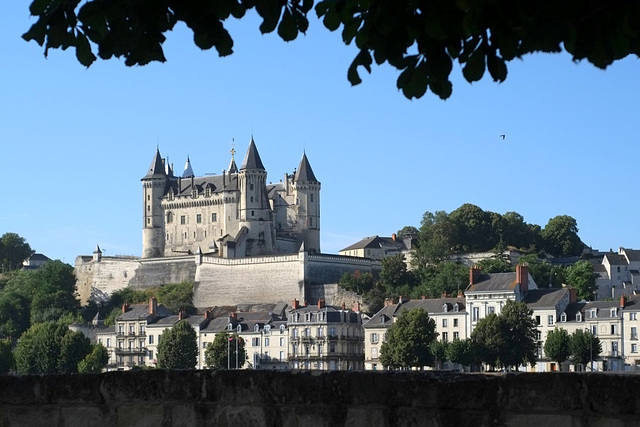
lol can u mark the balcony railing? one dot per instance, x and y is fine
(131, 350)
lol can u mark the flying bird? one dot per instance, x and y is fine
(502, 136)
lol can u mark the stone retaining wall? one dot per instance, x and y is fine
(263, 398)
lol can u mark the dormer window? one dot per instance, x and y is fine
(239, 328)
(282, 329)
(456, 307)
(594, 313)
(563, 317)
(230, 327)
(256, 328)
(267, 328)
(578, 317)
(445, 308)
(207, 192)
(614, 312)
(382, 319)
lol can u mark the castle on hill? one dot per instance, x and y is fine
(237, 238)
(233, 215)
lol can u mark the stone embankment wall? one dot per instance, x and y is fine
(371, 399)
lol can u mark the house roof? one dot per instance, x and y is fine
(385, 316)
(494, 282)
(603, 307)
(141, 311)
(157, 167)
(545, 298)
(573, 309)
(616, 259)
(375, 242)
(632, 254)
(188, 170)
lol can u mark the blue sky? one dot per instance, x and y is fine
(74, 142)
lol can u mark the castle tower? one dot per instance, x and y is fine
(255, 210)
(307, 193)
(154, 184)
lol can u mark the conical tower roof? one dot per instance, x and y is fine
(304, 172)
(157, 167)
(252, 158)
(188, 171)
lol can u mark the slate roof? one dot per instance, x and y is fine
(188, 170)
(633, 254)
(545, 298)
(216, 184)
(304, 173)
(157, 167)
(615, 259)
(573, 309)
(333, 314)
(252, 158)
(494, 282)
(385, 316)
(604, 309)
(39, 257)
(378, 242)
(141, 311)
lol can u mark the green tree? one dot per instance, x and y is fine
(393, 272)
(439, 350)
(489, 339)
(14, 314)
(443, 278)
(177, 296)
(408, 231)
(221, 353)
(13, 250)
(475, 232)
(178, 348)
(520, 334)
(420, 40)
(409, 340)
(495, 265)
(557, 346)
(583, 278)
(438, 235)
(584, 346)
(6, 357)
(462, 352)
(357, 282)
(560, 237)
(95, 361)
(47, 348)
(542, 271)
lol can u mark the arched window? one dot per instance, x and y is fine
(239, 328)
(169, 217)
(256, 328)
(456, 307)
(445, 308)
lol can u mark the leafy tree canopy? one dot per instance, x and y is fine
(221, 353)
(583, 278)
(420, 39)
(557, 346)
(409, 340)
(13, 250)
(95, 361)
(462, 352)
(561, 237)
(6, 357)
(178, 348)
(584, 347)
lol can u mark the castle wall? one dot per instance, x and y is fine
(266, 398)
(267, 279)
(323, 268)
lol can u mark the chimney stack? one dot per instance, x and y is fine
(623, 300)
(207, 315)
(321, 303)
(295, 304)
(400, 299)
(356, 307)
(474, 274)
(522, 278)
(153, 306)
(573, 295)
(344, 306)
(394, 237)
(181, 315)
(125, 308)
(460, 293)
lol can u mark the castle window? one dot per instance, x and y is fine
(148, 220)
(253, 213)
(251, 199)
(167, 236)
(310, 222)
(311, 198)
(251, 188)
(207, 192)
(148, 197)
(148, 207)
(169, 217)
(214, 217)
(183, 219)
(198, 218)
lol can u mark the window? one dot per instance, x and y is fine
(614, 329)
(445, 308)
(578, 317)
(214, 217)
(444, 323)
(491, 310)
(294, 333)
(634, 333)
(456, 335)
(332, 348)
(251, 199)
(374, 352)
(150, 339)
(250, 186)
(108, 342)
(633, 316)
(563, 317)
(150, 355)
(634, 348)
(183, 219)
(550, 319)
(253, 213)
(282, 356)
(281, 342)
(475, 314)
(320, 333)
(266, 342)
(538, 320)
(445, 336)
(455, 323)
(614, 348)
(204, 345)
(169, 217)
(310, 222)
(256, 328)
(594, 313)
(456, 307)
(199, 218)
(594, 330)
(255, 342)
(614, 312)
(374, 338)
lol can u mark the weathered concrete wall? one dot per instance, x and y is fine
(264, 398)
(98, 280)
(330, 268)
(264, 279)
(333, 295)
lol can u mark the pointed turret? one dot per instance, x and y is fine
(157, 167)
(304, 172)
(232, 166)
(97, 254)
(188, 171)
(252, 159)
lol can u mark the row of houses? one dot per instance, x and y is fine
(323, 337)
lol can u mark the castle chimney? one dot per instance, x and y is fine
(153, 306)
(522, 278)
(321, 303)
(623, 300)
(295, 304)
(474, 274)
(393, 237)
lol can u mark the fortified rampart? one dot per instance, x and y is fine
(265, 398)
(224, 281)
